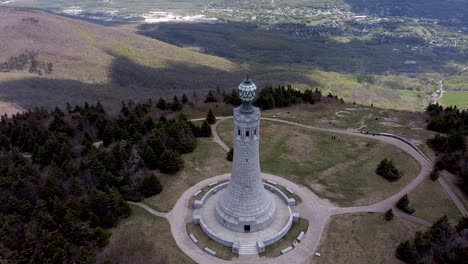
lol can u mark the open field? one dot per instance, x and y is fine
(455, 98)
(206, 161)
(410, 125)
(142, 238)
(341, 171)
(363, 238)
(432, 202)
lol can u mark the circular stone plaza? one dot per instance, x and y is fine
(245, 213)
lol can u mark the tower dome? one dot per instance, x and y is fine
(247, 90)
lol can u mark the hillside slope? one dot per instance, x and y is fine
(47, 59)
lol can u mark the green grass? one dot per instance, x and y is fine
(274, 250)
(142, 238)
(341, 171)
(222, 252)
(432, 202)
(457, 83)
(363, 239)
(208, 160)
(458, 98)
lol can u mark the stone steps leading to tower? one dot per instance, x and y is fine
(248, 249)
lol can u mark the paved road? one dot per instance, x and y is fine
(316, 210)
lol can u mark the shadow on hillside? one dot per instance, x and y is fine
(303, 46)
(133, 81)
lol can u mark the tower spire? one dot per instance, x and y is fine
(246, 206)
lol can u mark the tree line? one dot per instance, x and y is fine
(450, 144)
(272, 97)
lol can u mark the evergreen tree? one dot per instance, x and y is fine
(170, 161)
(230, 154)
(151, 185)
(404, 205)
(184, 99)
(387, 170)
(124, 110)
(211, 98)
(176, 105)
(210, 118)
(150, 158)
(388, 216)
(205, 129)
(161, 104)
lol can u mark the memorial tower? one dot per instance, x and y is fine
(246, 206)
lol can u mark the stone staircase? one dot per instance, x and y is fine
(248, 249)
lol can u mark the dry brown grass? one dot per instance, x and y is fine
(341, 171)
(432, 202)
(143, 238)
(363, 238)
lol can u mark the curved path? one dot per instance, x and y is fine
(316, 210)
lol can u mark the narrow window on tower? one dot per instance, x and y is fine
(255, 132)
(247, 133)
(238, 132)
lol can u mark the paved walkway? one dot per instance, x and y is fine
(316, 210)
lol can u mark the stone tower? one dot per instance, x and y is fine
(246, 206)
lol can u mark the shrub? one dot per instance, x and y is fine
(388, 216)
(434, 174)
(404, 205)
(387, 170)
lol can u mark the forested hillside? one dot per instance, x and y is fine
(64, 175)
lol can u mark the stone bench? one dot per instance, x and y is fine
(286, 250)
(272, 183)
(210, 251)
(193, 238)
(290, 191)
(301, 236)
(212, 184)
(197, 193)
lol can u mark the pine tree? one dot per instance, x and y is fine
(404, 205)
(404, 252)
(230, 154)
(184, 99)
(210, 118)
(150, 158)
(176, 105)
(170, 161)
(205, 129)
(125, 111)
(210, 98)
(151, 185)
(161, 104)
